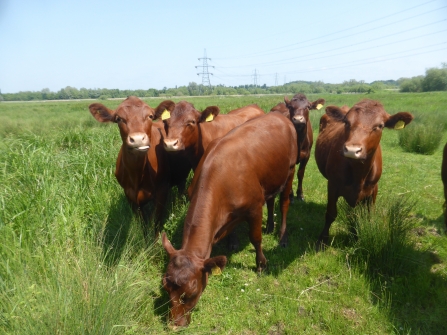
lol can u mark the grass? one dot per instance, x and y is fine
(74, 260)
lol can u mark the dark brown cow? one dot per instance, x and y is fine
(297, 110)
(191, 131)
(226, 193)
(444, 182)
(349, 156)
(142, 167)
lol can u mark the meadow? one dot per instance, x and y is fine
(74, 261)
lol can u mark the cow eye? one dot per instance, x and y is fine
(150, 117)
(191, 122)
(118, 119)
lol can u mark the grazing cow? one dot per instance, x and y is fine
(191, 131)
(297, 110)
(142, 166)
(444, 182)
(229, 191)
(349, 156)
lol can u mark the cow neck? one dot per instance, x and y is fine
(135, 164)
(199, 228)
(300, 138)
(198, 149)
(361, 169)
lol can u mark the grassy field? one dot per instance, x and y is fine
(73, 259)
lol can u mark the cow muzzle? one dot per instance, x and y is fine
(172, 144)
(299, 119)
(138, 141)
(353, 151)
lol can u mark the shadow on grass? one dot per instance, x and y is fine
(408, 282)
(414, 298)
(302, 233)
(116, 230)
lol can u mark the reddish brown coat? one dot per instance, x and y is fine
(349, 156)
(188, 130)
(227, 192)
(142, 167)
(444, 182)
(297, 110)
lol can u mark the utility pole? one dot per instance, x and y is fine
(276, 79)
(255, 79)
(205, 73)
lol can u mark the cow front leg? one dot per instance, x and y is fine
(300, 174)
(331, 214)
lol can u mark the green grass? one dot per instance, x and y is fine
(74, 260)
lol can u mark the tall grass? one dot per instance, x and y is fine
(380, 237)
(54, 277)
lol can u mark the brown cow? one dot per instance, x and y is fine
(191, 131)
(349, 156)
(444, 182)
(297, 110)
(142, 167)
(226, 193)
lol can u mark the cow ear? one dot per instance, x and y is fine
(101, 113)
(167, 245)
(335, 113)
(317, 104)
(286, 100)
(399, 120)
(209, 114)
(167, 105)
(215, 265)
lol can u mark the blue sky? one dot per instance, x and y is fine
(136, 44)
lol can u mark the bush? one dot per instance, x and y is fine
(380, 236)
(422, 138)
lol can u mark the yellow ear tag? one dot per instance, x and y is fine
(319, 106)
(165, 115)
(216, 271)
(209, 118)
(399, 125)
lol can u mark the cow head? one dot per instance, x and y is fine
(181, 123)
(364, 123)
(185, 279)
(134, 119)
(299, 108)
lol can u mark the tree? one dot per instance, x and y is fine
(435, 79)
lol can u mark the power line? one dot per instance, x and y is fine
(264, 53)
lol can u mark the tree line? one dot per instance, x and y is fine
(434, 80)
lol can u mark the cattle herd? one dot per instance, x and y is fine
(241, 161)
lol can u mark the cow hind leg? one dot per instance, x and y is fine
(284, 202)
(270, 210)
(255, 234)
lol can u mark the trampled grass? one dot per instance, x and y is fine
(74, 260)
